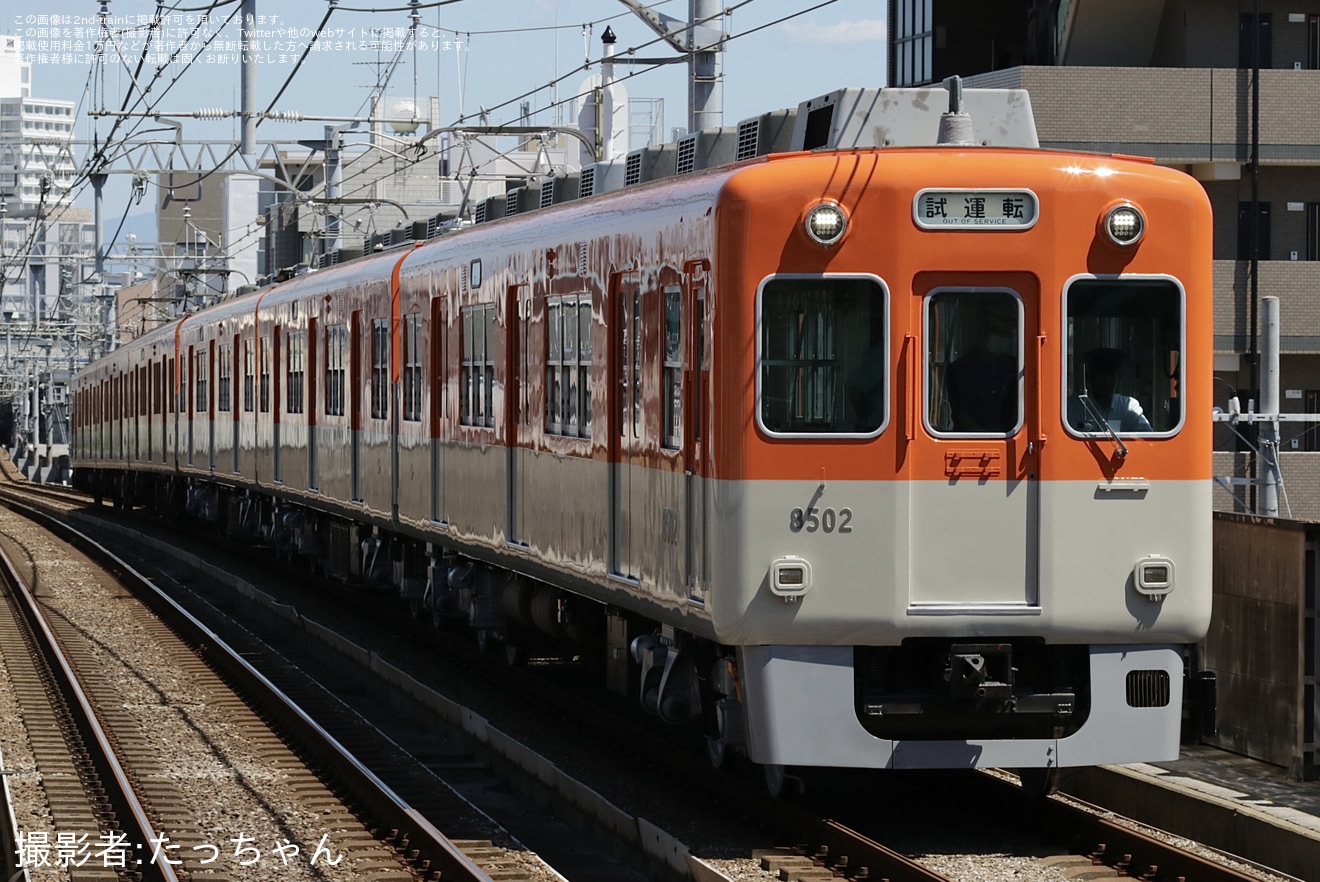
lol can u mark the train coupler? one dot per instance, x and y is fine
(980, 672)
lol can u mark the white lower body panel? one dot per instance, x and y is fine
(800, 708)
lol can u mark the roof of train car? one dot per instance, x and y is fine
(513, 229)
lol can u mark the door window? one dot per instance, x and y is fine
(973, 362)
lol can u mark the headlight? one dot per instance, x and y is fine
(1125, 224)
(826, 223)
(790, 578)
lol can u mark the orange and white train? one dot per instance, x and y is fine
(813, 449)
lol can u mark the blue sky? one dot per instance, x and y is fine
(766, 65)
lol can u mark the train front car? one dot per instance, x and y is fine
(965, 468)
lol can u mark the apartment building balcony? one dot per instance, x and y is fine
(1180, 116)
(1295, 282)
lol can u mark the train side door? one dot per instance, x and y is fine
(311, 403)
(516, 410)
(625, 406)
(276, 390)
(210, 410)
(439, 392)
(694, 433)
(235, 404)
(975, 503)
(355, 403)
(192, 403)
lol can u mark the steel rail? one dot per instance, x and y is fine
(416, 838)
(1133, 853)
(121, 795)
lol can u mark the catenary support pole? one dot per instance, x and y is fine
(248, 88)
(1268, 439)
(707, 100)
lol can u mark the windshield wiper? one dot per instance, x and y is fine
(1100, 418)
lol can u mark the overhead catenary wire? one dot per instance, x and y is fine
(352, 176)
(142, 91)
(632, 50)
(97, 160)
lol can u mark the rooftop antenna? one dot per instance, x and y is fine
(956, 124)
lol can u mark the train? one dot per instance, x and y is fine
(886, 454)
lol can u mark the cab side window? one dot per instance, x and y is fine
(1124, 368)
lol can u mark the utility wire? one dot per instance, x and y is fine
(633, 49)
(344, 184)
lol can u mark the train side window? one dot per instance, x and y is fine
(203, 406)
(249, 377)
(673, 369)
(1124, 366)
(973, 361)
(380, 368)
(224, 378)
(265, 375)
(336, 344)
(477, 380)
(412, 367)
(584, 362)
(296, 371)
(568, 366)
(823, 356)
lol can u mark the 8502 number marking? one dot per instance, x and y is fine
(827, 520)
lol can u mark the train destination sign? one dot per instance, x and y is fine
(975, 209)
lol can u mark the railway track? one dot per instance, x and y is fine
(159, 799)
(87, 790)
(811, 844)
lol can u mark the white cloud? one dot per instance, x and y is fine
(864, 31)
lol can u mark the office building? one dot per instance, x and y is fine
(1173, 80)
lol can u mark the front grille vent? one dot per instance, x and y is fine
(687, 156)
(749, 132)
(587, 183)
(547, 192)
(1148, 688)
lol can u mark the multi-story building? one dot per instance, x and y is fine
(1173, 79)
(36, 162)
(46, 250)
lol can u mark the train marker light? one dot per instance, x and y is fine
(826, 223)
(1125, 225)
(1154, 577)
(790, 578)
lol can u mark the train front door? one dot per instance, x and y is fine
(974, 499)
(625, 407)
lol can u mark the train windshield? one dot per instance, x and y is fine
(1124, 367)
(824, 355)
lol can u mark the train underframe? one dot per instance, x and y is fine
(925, 703)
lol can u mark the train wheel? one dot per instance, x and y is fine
(1039, 782)
(780, 784)
(514, 654)
(720, 756)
